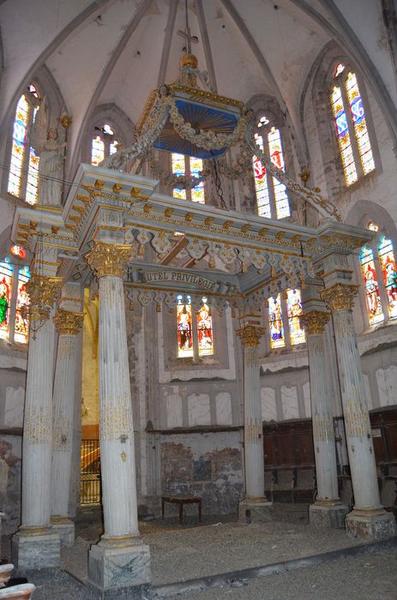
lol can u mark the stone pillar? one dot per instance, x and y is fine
(36, 545)
(327, 510)
(120, 559)
(254, 507)
(68, 324)
(368, 518)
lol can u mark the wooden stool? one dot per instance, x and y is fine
(181, 500)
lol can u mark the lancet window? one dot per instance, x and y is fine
(271, 194)
(189, 167)
(23, 176)
(350, 123)
(379, 273)
(195, 334)
(285, 329)
(104, 143)
(14, 302)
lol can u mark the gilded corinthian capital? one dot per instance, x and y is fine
(43, 291)
(108, 259)
(315, 321)
(68, 322)
(340, 296)
(250, 335)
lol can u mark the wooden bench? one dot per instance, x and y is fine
(181, 501)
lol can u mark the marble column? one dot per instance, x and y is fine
(368, 518)
(254, 507)
(68, 325)
(36, 545)
(120, 559)
(327, 510)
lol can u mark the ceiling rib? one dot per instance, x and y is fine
(57, 41)
(139, 13)
(206, 45)
(169, 30)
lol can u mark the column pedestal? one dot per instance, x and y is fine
(253, 510)
(35, 548)
(119, 563)
(327, 515)
(371, 524)
(65, 529)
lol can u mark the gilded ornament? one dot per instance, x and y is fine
(117, 187)
(315, 321)
(66, 121)
(108, 259)
(250, 335)
(68, 322)
(340, 296)
(42, 291)
(99, 183)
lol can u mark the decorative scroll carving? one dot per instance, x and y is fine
(315, 321)
(250, 335)
(68, 322)
(108, 259)
(340, 296)
(43, 291)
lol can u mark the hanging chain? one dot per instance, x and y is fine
(218, 186)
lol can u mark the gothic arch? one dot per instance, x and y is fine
(113, 115)
(49, 88)
(321, 76)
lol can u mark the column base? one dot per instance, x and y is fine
(325, 514)
(117, 563)
(36, 548)
(65, 528)
(376, 524)
(255, 510)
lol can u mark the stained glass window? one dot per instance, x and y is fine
(184, 327)
(294, 308)
(14, 303)
(189, 166)
(271, 194)
(371, 285)
(351, 126)
(6, 273)
(21, 331)
(103, 144)
(276, 323)
(204, 330)
(389, 271)
(24, 164)
(97, 151)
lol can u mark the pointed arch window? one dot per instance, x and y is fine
(379, 274)
(271, 195)
(188, 166)
(195, 334)
(285, 329)
(23, 176)
(103, 143)
(14, 302)
(350, 123)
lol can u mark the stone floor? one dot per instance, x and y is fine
(189, 558)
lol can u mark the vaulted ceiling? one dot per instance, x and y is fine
(117, 51)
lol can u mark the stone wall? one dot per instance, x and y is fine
(204, 464)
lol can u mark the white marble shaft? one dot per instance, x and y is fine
(116, 425)
(37, 435)
(358, 428)
(323, 427)
(64, 405)
(253, 432)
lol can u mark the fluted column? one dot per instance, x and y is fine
(250, 333)
(68, 325)
(118, 469)
(327, 511)
(34, 545)
(368, 518)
